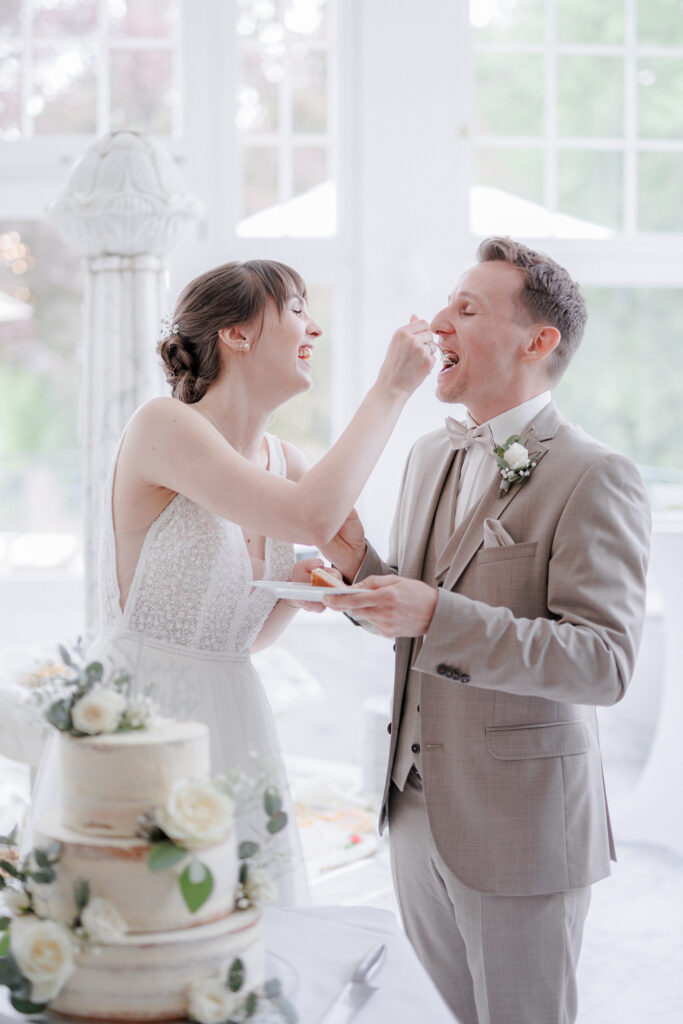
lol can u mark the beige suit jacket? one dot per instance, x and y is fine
(526, 640)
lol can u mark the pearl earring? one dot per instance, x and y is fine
(244, 346)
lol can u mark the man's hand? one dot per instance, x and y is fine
(395, 605)
(347, 549)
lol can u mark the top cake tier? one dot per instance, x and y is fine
(108, 781)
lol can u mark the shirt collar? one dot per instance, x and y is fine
(514, 421)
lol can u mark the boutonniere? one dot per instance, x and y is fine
(515, 462)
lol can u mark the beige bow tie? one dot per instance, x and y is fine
(461, 436)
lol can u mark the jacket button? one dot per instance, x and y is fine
(442, 669)
(418, 708)
(464, 679)
(389, 728)
(415, 748)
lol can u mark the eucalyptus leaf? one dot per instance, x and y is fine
(272, 801)
(277, 823)
(10, 975)
(251, 1004)
(94, 671)
(59, 715)
(196, 894)
(244, 874)
(11, 839)
(236, 975)
(8, 867)
(272, 988)
(248, 849)
(164, 855)
(41, 858)
(43, 877)
(286, 1009)
(66, 657)
(81, 894)
(26, 1006)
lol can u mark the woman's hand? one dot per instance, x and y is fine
(301, 573)
(410, 357)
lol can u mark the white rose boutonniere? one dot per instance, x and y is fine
(211, 1001)
(196, 813)
(515, 462)
(43, 951)
(99, 711)
(101, 921)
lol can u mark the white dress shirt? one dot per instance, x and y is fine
(479, 467)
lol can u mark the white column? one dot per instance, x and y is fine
(124, 206)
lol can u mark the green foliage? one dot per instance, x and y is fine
(236, 975)
(164, 855)
(247, 849)
(277, 823)
(196, 886)
(81, 894)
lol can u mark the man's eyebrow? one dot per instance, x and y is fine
(463, 295)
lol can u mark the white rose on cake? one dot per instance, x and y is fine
(210, 1001)
(196, 813)
(99, 711)
(17, 900)
(102, 921)
(517, 456)
(260, 887)
(43, 952)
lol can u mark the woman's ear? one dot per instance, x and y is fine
(236, 338)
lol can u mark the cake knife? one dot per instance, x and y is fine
(356, 992)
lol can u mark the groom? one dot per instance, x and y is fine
(517, 608)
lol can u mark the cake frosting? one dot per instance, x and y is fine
(109, 784)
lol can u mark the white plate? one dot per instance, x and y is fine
(300, 591)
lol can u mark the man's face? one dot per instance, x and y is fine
(481, 342)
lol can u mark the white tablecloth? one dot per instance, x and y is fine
(324, 944)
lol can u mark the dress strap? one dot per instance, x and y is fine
(277, 464)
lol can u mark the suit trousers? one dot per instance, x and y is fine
(495, 959)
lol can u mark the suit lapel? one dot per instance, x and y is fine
(469, 536)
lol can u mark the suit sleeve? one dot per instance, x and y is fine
(585, 650)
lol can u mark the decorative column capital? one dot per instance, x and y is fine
(125, 196)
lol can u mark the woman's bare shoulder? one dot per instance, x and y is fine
(161, 413)
(296, 461)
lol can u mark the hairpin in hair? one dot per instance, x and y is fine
(168, 328)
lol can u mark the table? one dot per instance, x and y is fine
(320, 947)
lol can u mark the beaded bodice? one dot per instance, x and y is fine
(192, 583)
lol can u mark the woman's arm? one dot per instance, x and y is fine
(174, 447)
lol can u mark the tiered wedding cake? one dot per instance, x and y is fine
(175, 934)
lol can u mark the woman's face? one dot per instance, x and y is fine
(284, 349)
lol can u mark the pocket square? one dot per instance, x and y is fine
(495, 535)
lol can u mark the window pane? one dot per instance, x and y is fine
(590, 186)
(633, 402)
(257, 20)
(260, 178)
(306, 421)
(506, 21)
(590, 96)
(310, 168)
(40, 380)
(141, 90)
(65, 89)
(659, 192)
(509, 94)
(516, 171)
(10, 11)
(141, 17)
(258, 98)
(309, 91)
(660, 22)
(309, 18)
(660, 98)
(64, 18)
(590, 22)
(10, 97)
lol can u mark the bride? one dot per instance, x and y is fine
(201, 501)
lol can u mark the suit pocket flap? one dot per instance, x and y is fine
(526, 549)
(556, 739)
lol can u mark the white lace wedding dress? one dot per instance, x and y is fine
(185, 634)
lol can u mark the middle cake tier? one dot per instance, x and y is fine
(117, 870)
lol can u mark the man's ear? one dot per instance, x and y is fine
(236, 338)
(542, 343)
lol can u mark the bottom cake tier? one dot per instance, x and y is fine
(147, 977)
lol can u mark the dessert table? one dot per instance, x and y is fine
(314, 951)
